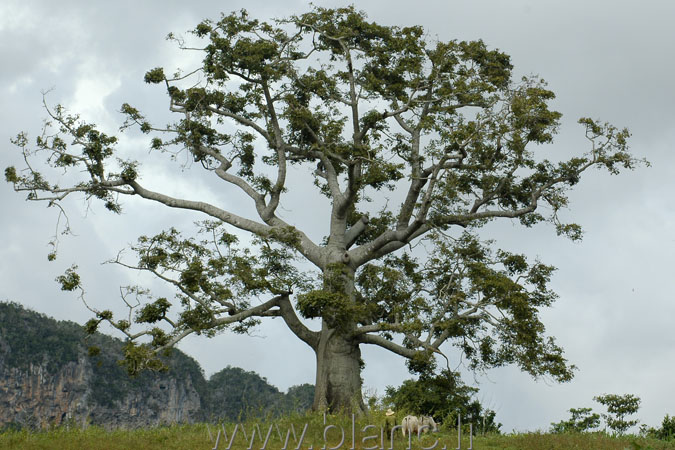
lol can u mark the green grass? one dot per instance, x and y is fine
(174, 437)
(202, 436)
(584, 441)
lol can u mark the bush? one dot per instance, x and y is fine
(582, 420)
(666, 432)
(618, 407)
(442, 396)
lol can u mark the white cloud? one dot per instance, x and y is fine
(15, 15)
(93, 85)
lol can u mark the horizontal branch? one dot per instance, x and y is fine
(242, 121)
(213, 211)
(251, 312)
(386, 344)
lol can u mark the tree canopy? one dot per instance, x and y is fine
(361, 112)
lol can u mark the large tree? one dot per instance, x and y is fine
(362, 113)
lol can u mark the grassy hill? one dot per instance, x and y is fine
(202, 436)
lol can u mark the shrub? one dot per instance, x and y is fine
(582, 420)
(666, 432)
(618, 407)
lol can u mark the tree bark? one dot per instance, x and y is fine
(338, 373)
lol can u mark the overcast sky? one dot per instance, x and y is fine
(611, 60)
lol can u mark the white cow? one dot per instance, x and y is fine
(413, 424)
(429, 422)
(410, 424)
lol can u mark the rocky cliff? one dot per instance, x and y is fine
(47, 378)
(36, 397)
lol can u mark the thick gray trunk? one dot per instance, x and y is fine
(338, 374)
(338, 356)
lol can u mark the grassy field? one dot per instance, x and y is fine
(202, 436)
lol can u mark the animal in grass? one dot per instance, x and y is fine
(429, 422)
(414, 424)
(410, 424)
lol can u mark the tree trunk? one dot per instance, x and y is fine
(338, 374)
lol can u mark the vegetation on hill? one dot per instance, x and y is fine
(30, 338)
(619, 407)
(235, 393)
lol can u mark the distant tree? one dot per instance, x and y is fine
(665, 432)
(582, 420)
(408, 138)
(433, 395)
(442, 396)
(618, 407)
(300, 398)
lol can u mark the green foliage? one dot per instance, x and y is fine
(465, 276)
(320, 302)
(618, 407)
(581, 421)
(235, 394)
(213, 277)
(332, 303)
(153, 312)
(155, 75)
(129, 171)
(10, 175)
(28, 338)
(91, 326)
(93, 154)
(70, 280)
(299, 398)
(215, 267)
(443, 397)
(140, 357)
(665, 432)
